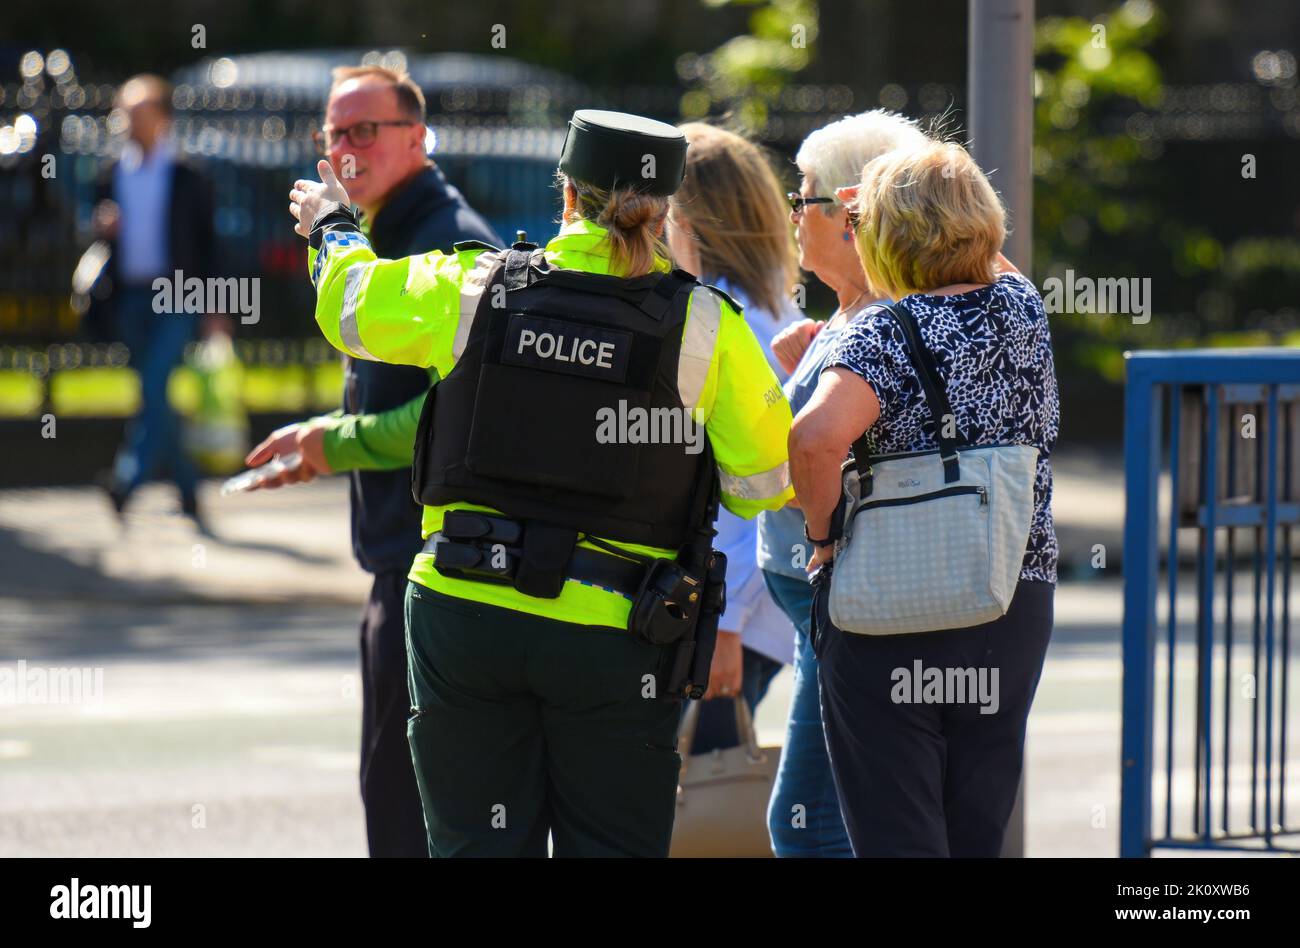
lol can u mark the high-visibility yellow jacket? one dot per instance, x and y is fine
(418, 311)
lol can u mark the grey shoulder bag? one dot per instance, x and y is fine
(931, 539)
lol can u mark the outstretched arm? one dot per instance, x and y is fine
(408, 312)
(382, 441)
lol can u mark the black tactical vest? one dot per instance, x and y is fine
(539, 417)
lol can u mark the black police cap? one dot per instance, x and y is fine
(615, 149)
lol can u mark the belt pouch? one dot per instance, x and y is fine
(545, 560)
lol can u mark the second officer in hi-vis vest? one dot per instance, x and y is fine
(567, 595)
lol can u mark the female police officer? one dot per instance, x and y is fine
(568, 494)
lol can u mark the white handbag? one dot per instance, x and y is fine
(722, 795)
(930, 540)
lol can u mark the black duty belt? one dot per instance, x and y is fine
(484, 547)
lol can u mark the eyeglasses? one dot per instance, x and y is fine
(798, 202)
(361, 135)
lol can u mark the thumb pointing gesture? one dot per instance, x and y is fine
(334, 190)
(308, 197)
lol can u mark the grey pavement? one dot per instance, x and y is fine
(283, 546)
(225, 717)
(291, 545)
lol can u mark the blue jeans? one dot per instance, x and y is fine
(153, 444)
(804, 814)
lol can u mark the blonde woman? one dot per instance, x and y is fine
(804, 817)
(932, 779)
(727, 224)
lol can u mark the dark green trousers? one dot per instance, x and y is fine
(524, 726)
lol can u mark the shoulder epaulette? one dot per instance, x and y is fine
(734, 305)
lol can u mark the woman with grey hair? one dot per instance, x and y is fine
(804, 815)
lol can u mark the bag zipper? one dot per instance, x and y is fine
(932, 495)
(899, 455)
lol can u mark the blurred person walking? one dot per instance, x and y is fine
(374, 138)
(567, 594)
(931, 777)
(804, 816)
(727, 224)
(156, 212)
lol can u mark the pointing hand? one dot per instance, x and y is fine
(308, 197)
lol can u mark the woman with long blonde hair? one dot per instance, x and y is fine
(728, 225)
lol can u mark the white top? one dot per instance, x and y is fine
(751, 611)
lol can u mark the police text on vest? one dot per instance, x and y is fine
(567, 348)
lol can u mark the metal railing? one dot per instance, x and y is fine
(1211, 451)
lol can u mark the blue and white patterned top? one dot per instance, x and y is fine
(993, 352)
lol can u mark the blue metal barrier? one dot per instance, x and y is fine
(1228, 423)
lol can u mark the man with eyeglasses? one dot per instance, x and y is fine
(374, 137)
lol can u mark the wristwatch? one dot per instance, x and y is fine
(829, 541)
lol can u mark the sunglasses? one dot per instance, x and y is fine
(798, 202)
(361, 135)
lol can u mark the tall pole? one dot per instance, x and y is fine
(1000, 109)
(1000, 106)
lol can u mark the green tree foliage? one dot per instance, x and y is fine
(746, 74)
(1086, 72)
(1109, 203)
(1091, 167)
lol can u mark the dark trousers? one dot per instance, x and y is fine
(931, 778)
(524, 726)
(394, 819)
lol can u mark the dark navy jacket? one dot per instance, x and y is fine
(426, 214)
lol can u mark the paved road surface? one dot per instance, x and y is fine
(232, 730)
(229, 712)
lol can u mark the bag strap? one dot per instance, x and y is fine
(936, 398)
(656, 302)
(744, 728)
(520, 267)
